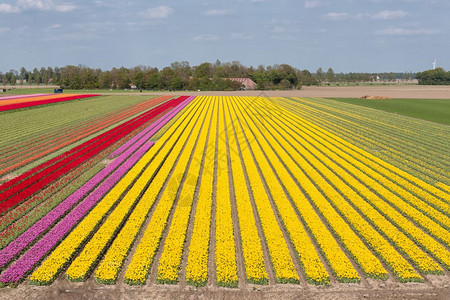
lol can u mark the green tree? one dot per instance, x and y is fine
(331, 77)
(320, 76)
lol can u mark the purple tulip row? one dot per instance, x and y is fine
(151, 130)
(25, 263)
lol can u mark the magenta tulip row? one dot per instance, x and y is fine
(25, 263)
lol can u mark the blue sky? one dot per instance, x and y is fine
(347, 35)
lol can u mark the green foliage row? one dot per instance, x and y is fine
(182, 76)
(436, 76)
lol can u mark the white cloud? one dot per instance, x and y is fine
(159, 12)
(278, 29)
(218, 12)
(43, 5)
(54, 26)
(335, 16)
(390, 14)
(8, 8)
(4, 29)
(404, 31)
(205, 37)
(241, 36)
(312, 4)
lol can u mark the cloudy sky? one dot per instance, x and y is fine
(347, 35)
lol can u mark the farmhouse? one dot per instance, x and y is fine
(246, 82)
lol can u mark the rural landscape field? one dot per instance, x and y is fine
(223, 196)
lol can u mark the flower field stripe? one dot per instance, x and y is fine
(39, 227)
(357, 168)
(113, 259)
(402, 153)
(387, 168)
(13, 231)
(25, 222)
(60, 167)
(170, 261)
(358, 118)
(61, 256)
(49, 145)
(42, 102)
(164, 119)
(407, 185)
(198, 255)
(21, 96)
(225, 251)
(314, 269)
(24, 265)
(389, 255)
(142, 258)
(86, 260)
(382, 207)
(55, 159)
(99, 139)
(34, 99)
(278, 250)
(252, 251)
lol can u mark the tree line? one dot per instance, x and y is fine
(436, 76)
(182, 76)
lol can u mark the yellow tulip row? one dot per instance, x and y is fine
(339, 263)
(62, 254)
(85, 261)
(142, 259)
(112, 262)
(411, 164)
(313, 268)
(169, 263)
(375, 121)
(197, 263)
(310, 164)
(401, 136)
(427, 242)
(420, 188)
(356, 167)
(225, 252)
(443, 186)
(251, 243)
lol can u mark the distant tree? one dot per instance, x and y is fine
(437, 76)
(331, 77)
(166, 76)
(319, 75)
(204, 70)
(306, 78)
(152, 81)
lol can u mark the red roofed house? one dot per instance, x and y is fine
(247, 82)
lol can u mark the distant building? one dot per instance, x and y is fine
(246, 82)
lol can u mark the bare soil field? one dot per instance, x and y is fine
(391, 91)
(435, 287)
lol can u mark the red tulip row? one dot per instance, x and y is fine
(42, 102)
(46, 144)
(17, 190)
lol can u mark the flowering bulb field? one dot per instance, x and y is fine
(237, 191)
(24, 101)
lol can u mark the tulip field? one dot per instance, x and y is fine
(25, 101)
(237, 191)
